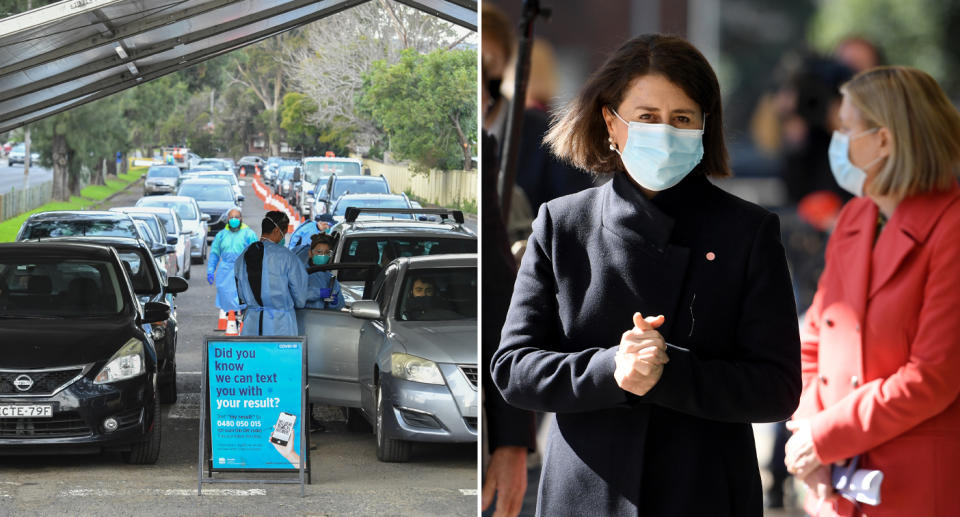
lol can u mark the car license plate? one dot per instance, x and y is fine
(22, 411)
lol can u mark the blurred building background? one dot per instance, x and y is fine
(780, 64)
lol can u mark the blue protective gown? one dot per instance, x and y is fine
(226, 247)
(283, 290)
(301, 236)
(319, 289)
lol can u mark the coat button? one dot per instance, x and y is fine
(829, 323)
(823, 379)
(855, 381)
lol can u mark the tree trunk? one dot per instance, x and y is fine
(97, 177)
(60, 170)
(464, 145)
(112, 167)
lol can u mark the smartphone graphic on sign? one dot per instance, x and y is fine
(283, 429)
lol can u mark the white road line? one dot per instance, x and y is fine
(468, 491)
(183, 492)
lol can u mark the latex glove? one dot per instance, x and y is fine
(210, 278)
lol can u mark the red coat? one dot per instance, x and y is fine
(880, 352)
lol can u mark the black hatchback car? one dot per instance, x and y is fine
(78, 370)
(149, 286)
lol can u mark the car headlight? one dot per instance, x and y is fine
(416, 369)
(126, 363)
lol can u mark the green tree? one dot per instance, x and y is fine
(426, 104)
(296, 120)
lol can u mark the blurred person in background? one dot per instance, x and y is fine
(542, 87)
(654, 314)
(508, 432)
(881, 341)
(539, 174)
(859, 53)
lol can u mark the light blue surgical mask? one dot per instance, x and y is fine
(319, 260)
(658, 156)
(850, 177)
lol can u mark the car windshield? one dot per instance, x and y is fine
(184, 209)
(58, 288)
(163, 172)
(207, 191)
(357, 186)
(384, 249)
(79, 226)
(138, 268)
(438, 294)
(315, 171)
(19, 148)
(392, 202)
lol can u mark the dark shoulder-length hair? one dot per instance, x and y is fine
(578, 133)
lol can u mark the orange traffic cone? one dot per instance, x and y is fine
(232, 325)
(222, 321)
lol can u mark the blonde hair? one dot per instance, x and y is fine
(925, 127)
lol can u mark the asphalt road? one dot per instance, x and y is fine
(12, 177)
(348, 480)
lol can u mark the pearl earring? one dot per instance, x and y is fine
(612, 146)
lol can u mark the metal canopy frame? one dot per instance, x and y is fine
(67, 54)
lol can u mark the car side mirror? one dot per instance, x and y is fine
(365, 309)
(172, 240)
(155, 311)
(171, 249)
(176, 284)
(205, 217)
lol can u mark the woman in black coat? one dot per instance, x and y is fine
(654, 314)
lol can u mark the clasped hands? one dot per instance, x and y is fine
(641, 356)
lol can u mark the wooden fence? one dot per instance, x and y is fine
(18, 201)
(444, 188)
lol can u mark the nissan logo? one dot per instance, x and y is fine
(23, 383)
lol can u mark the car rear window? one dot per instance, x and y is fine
(207, 191)
(383, 250)
(138, 268)
(184, 209)
(163, 172)
(395, 202)
(58, 288)
(79, 227)
(314, 171)
(356, 186)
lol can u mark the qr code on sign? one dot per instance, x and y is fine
(283, 427)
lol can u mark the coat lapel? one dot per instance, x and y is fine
(657, 268)
(854, 246)
(909, 227)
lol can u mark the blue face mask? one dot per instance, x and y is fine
(658, 156)
(319, 260)
(234, 222)
(850, 177)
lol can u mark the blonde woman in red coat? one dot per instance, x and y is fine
(881, 342)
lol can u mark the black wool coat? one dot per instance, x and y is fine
(713, 265)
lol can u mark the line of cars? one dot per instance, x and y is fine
(89, 327)
(88, 313)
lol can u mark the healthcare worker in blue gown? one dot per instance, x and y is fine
(301, 236)
(271, 282)
(227, 246)
(323, 289)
